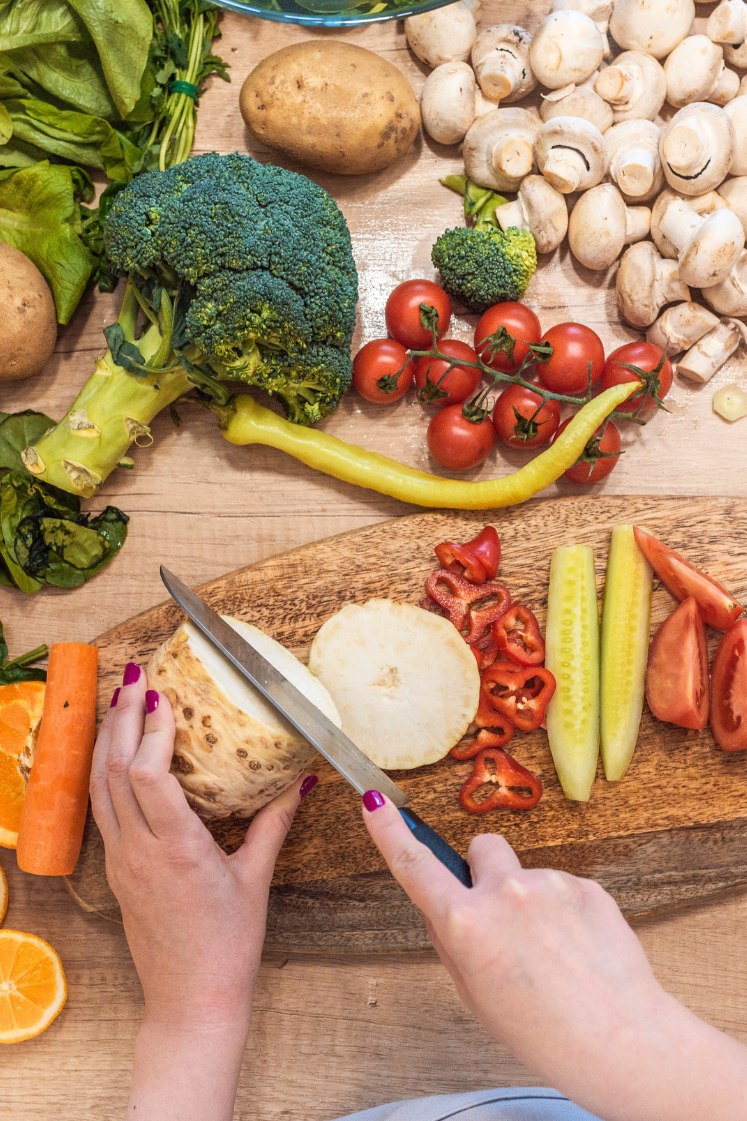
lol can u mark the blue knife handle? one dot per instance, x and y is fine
(438, 846)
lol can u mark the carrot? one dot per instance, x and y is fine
(54, 811)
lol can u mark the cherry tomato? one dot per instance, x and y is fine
(655, 368)
(374, 369)
(458, 443)
(440, 384)
(576, 350)
(517, 326)
(402, 312)
(717, 605)
(600, 456)
(729, 681)
(677, 674)
(523, 419)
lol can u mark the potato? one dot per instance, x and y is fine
(332, 106)
(28, 321)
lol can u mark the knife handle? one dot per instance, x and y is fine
(438, 846)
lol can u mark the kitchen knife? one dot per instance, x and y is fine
(307, 719)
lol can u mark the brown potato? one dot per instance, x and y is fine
(28, 321)
(332, 106)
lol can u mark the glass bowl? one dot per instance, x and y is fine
(331, 13)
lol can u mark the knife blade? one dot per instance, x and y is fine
(329, 740)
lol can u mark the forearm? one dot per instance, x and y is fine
(186, 1074)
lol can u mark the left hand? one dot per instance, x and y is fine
(194, 917)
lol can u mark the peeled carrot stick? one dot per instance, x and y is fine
(54, 810)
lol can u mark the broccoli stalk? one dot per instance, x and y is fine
(236, 272)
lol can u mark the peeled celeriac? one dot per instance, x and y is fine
(232, 751)
(404, 681)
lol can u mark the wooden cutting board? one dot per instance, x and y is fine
(674, 831)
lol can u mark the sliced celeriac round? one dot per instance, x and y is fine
(232, 751)
(405, 683)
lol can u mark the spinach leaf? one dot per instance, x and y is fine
(17, 431)
(19, 669)
(39, 214)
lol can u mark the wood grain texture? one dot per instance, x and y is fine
(673, 831)
(337, 1034)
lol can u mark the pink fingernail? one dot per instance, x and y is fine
(151, 700)
(115, 698)
(131, 673)
(372, 800)
(308, 784)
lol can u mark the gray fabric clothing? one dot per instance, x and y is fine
(510, 1104)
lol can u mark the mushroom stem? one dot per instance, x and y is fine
(669, 285)
(711, 352)
(707, 246)
(512, 157)
(681, 326)
(564, 169)
(634, 170)
(617, 85)
(499, 74)
(637, 223)
(685, 148)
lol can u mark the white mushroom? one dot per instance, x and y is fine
(729, 296)
(443, 35)
(653, 26)
(712, 351)
(598, 10)
(734, 194)
(633, 154)
(645, 283)
(701, 205)
(567, 47)
(540, 209)
(447, 103)
(634, 85)
(727, 23)
(697, 148)
(679, 327)
(707, 247)
(736, 111)
(601, 225)
(576, 101)
(570, 154)
(500, 57)
(736, 56)
(695, 71)
(498, 148)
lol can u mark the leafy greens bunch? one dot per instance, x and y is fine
(91, 86)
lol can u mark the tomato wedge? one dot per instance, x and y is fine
(677, 674)
(729, 686)
(717, 606)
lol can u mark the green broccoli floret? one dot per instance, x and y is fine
(482, 267)
(236, 271)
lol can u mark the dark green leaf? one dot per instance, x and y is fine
(19, 669)
(16, 433)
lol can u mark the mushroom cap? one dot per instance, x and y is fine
(546, 211)
(644, 283)
(697, 148)
(734, 194)
(710, 254)
(736, 55)
(497, 149)
(442, 35)
(447, 102)
(692, 70)
(500, 57)
(652, 26)
(635, 85)
(700, 204)
(736, 111)
(582, 101)
(633, 153)
(729, 296)
(571, 141)
(567, 47)
(596, 230)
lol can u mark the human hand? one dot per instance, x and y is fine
(549, 965)
(194, 917)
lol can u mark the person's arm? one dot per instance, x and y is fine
(194, 917)
(549, 965)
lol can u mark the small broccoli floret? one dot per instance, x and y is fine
(309, 385)
(482, 266)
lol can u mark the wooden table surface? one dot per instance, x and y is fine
(329, 1036)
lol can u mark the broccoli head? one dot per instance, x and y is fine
(247, 272)
(483, 266)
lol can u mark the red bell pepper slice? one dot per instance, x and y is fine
(490, 730)
(477, 560)
(518, 636)
(498, 780)
(472, 608)
(520, 693)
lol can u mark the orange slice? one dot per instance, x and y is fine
(21, 708)
(33, 989)
(3, 895)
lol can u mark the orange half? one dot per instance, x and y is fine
(3, 895)
(21, 708)
(33, 989)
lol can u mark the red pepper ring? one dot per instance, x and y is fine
(456, 596)
(498, 780)
(518, 636)
(488, 729)
(477, 560)
(497, 600)
(520, 693)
